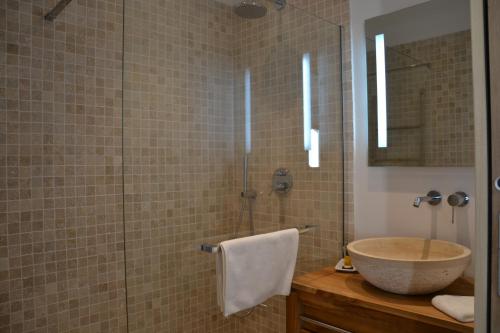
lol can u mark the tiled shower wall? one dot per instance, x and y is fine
(178, 153)
(61, 251)
(61, 243)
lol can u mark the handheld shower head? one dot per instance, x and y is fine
(250, 9)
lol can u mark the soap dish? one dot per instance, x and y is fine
(340, 267)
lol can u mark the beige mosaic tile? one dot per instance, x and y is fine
(62, 259)
(61, 248)
(178, 161)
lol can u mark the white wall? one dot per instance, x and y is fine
(383, 196)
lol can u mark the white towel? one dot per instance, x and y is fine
(459, 307)
(252, 269)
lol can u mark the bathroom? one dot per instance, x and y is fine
(139, 140)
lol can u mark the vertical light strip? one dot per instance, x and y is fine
(306, 91)
(381, 91)
(248, 112)
(314, 152)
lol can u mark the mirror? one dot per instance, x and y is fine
(419, 78)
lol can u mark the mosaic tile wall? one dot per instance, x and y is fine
(431, 120)
(61, 239)
(178, 141)
(62, 264)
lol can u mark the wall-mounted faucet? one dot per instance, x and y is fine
(433, 198)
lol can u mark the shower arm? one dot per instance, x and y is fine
(51, 16)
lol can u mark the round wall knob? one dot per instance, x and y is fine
(458, 199)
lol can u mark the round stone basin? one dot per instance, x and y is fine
(409, 266)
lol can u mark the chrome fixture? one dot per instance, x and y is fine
(433, 198)
(51, 16)
(458, 199)
(280, 4)
(247, 200)
(253, 9)
(282, 181)
(246, 192)
(250, 9)
(214, 248)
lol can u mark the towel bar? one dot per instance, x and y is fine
(214, 248)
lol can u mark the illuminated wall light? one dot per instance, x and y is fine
(306, 91)
(381, 91)
(248, 112)
(314, 151)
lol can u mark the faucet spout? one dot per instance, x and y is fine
(433, 198)
(418, 201)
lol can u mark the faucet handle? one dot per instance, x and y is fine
(282, 181)
(458, 199)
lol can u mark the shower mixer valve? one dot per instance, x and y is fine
(282, 181)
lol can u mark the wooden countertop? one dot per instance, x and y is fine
(353, 288)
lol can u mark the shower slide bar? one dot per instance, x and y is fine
(213, 248)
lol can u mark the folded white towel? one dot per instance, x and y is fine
(459, 307)
(252, 269)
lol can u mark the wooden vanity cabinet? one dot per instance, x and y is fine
(327, 301)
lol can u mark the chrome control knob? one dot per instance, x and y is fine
(458, 199)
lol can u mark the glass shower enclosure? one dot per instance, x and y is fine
(205, 89)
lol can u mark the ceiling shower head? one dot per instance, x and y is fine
(250, 9)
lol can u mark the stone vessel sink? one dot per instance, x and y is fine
(409, 266)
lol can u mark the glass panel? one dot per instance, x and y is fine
(203, 89)
(273, 49)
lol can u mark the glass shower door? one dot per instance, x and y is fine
(291, 63)
(288, 115)
(203, 87)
